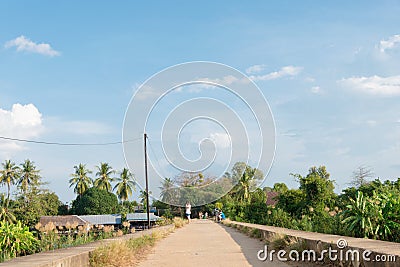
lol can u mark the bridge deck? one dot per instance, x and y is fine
(205, 243)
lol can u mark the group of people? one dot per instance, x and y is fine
(219, 215)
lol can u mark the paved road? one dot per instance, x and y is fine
(205, 243)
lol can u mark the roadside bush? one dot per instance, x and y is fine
(16, 240)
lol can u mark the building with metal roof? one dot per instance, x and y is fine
(106, 219)
(141, 217)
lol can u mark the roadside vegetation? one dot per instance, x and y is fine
(366, 209)
(130, 252)
(20, 210)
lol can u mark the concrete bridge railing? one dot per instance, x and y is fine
(371, 252)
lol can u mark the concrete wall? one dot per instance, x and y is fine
(319, 242)
(70, 257)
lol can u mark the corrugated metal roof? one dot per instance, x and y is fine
(102, 219)
(141, 217)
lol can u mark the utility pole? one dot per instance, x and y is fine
(147, 181)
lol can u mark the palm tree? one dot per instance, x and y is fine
(28, 175)
(5, 213)
(104, 180)
(143, 198)
(80, 179)
(9, 174)
(242, 189)
(125, 185)
(167, 188)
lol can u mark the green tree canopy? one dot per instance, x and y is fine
(95, 201)
(125, 185)
(9, 174)
(80, 179)
(104, 179)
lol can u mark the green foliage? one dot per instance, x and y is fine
(28, 175)
(15, 240)
(104, 172)
(358, 216)
(95, 201)
(6, 214)
(125, 185)
(34, 203)
(373, 217)
(9, 174)
(80, 179)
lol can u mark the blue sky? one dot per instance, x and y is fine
(330, 72)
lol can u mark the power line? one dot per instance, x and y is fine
(67, 144)
(154, 153)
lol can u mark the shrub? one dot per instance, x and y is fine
(15, 240)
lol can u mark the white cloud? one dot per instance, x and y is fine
(390, 43)
(316, 90)
(255, 69)
(283, 72)
(221, 140)
(374, 85)
(22, 122)
(25, 44)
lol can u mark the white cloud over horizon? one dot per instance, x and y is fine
(283, 72)
(374, 85)
(392, 42)
(25, 44)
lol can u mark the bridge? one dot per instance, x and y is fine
(205, 243)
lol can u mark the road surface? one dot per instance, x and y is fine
(205, 243)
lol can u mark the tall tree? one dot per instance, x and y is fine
(125, 185)
(9, 175)
(361, 176)
(80, 179)
(28, 175)
(5, 213)
(167, 190)
(243, 188)
(104, 177)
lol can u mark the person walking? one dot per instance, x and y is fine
(188, 210)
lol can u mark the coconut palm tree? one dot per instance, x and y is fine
(167, 190)
(125, 185)
(143, 198)
(242, 189)
(9, 175)
(28, 175)
(5, 213)
(80, 179)
(104, 177)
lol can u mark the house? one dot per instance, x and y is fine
(80, 220)
(62, 221)
(139, 220)
(135, 219)
(106, 219)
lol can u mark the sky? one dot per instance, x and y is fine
(330, 72)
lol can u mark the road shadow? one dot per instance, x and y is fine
(250, 247)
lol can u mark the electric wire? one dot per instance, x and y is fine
(67, 144)
(155, 155)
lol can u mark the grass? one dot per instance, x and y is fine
(130, 252)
